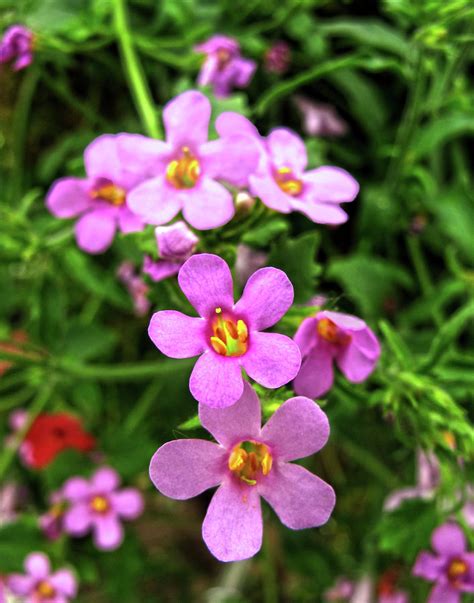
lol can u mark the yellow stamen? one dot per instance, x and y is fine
(230, 337)
(100, 504)
(328, 330)
(45, 590)
(183, 172)
(249, 460)
(115, 195)
(457, 569)
(57, 510)
(287, 182)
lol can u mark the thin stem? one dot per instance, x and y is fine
(134, 72)
(270, 586)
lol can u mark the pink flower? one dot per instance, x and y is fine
(176, 243)
(40, 585)
(341, 591)
(320, 119)
(451, 567)
(278, 57)
(114, 164)
(189, 169)
(227, 336)
(281, 181)
(17, 46)
(51, 522)
(136, 286)
(10, 495)
(99, 505)
(224, 67)
(248, 261)
(249, 462)
(328, 337)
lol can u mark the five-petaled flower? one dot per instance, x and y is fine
(249, 462)
(40, 584)
(451, 567)
(228, 336)
(332, 336)
(16, 47)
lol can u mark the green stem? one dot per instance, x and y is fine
(364, 458)
(270, 584)
(134, 72)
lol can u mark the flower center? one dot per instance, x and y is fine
(223, 58)
(45, 590)
(115, 195)
(100, 504)
(328, 330)
(457, 569)
(287, 181)
(183, 172)
(249, 459)
(57, 510)
(230, 336)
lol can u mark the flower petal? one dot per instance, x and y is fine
(449, 540)
(64, 582)
(444, 593)
(229, 124)
(265, 187)
(272, 359)
(297, 429)
(287, 150)
(128, 503)
(183, 469)
(154, 201)
(177, 335)
(231, 159)
(37, 565)
(316, 374)
(306, 335)
(208, 205)
(129, 222)
(216, 380)
(186, 119)
(108, 532)
(320, 213)
(428, 566)
(329, 184)
(206, 281)
(68, 197)
(105, 480)
(20, 585)
(238, 422)
(343, 321)
(233, 528)
(299, 498)
(95, 231)
(358, 359)
(76, 489)
(78, 519)
(268, 294)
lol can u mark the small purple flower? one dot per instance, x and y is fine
(281, 181)
(40, 585)
(114, 164)
(398, 596)
(51, 522)
(189, 168)
(278, 57)
(320, 119)
(249, 462)
(224, 68)
(176, 243)
(248, 261)
(100, 506)
(228, 337)
(332, 336)
(341, 591)
(17, 46)
(136, 286)
(451, 567)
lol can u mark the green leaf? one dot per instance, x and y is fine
(17, 540)
(192, 423)
(440, 131)
(84, 342)
(264, 234)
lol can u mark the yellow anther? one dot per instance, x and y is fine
(183, 172)
(230, 337)
(100, 504)
(328, 330)
(115, 195)
(287, 182)
(456, 570)
(249, 460)
(45, 590)
(218, 310)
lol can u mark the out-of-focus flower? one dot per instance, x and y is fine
(40, 585)
(248, 261)
(228, 337)
(224, 68)
(115, 164)
(51, 522)
(176, 243)
(280, 179)
(451, 567)
(468, 509)
(249, 462)
(387, 591)
(320, 119)
(100, 506)
(278, 57)
(16, 47)
(189, 169)
(340, 592)
(136, 286)
(363, 590)
(14, 344)
(10, 495)
(328, 337)
(244, 202)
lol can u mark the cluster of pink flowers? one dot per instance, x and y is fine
(16, 47)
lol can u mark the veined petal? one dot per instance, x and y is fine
(177, 335)
(68, 197)
(216, 380)
(186, 119)
(207, 205)
(316, 374)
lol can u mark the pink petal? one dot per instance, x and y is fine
(154, 201)
(265, 187)
(316, 374)
(287, 150)
(37, 565)
(206, 281)
(183, 469)
(234, 424)
(76, 489)
(244, 70)
(64, 582)
(297, 429)
(306, 335)
(267, 296)
(105, 480)
(343, 321)
(207, 205)
(232, 528)
(216, 380)
(230, 124)
(208, 70)
(443, 593)
(160, 270)
(128, 503)
(20, 585)
(397, 497)
(272, 359)
(357, 360)
(108, 532)
(177, 335)
(78, 519)
(320, 213)
(428, 566)
(298, 497)
(232, 159)
(101, 158)
(68, 197)
(449, 540)
(95, 231)
(328, 184)
(129, 222)
(186, 119)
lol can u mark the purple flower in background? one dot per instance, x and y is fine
(320, 119)
(248, 261)
(114, 164)
(99, 505)
(40, 585)
(224, 68)
(17, 46)
(227, 336)
(451, 567)
(176, 243)
(249, 462)
(189, 168)
(136, 286)
(278, 57)
(280, 179)
(9, 498)
(51, 522)
(397, 596)
(332, 336)
(341, 591)
(468, 509)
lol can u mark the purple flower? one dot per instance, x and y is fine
(248, 261)
(136, 286)
(224, 68)
(334, 336)
(189, 168)
(114, 164)
(100, 506)
(451, 567)
(17, 46)
(227, 337)
(249, 462)
(51, 522)
(341, 591)
(398, 596)
(278, 57)
(40, 585)
(320, 119)
(281, 181)
(468, 509)
(9, 498)
(176, 243)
